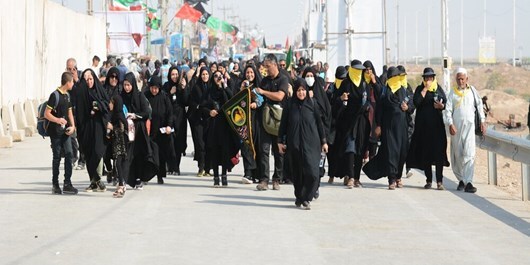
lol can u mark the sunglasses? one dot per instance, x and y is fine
(217, 76)
(113, 76)
(282, 65)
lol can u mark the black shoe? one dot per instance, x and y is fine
(92, 187)
(224, 181)
(216, 182)
(460, 186)
(469, 188)
(100, 186)
(160, 181)
(178, 171)
(69, 189)
(298, 203)
(317, 194)
(307, 205)
(56, 190)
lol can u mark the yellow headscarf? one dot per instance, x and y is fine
(355, 76)
(403, 79)
(367, 78)
(433, 87)
(394, 83)
(338, 82)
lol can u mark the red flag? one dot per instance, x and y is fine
(188, 12)
(137, 38)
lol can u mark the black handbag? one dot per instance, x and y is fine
(478, 130)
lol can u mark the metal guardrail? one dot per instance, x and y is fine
(516, 148)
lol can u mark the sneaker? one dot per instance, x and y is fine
(80, 167)
(346, 179)
(69, 189)
(92, 187)
(275, 185)
(56, 190)
(392, 186)
(317, 195)
(440, 186)
(428, 185)
(201, 173)
(469, 188)
(307, 205)
(246, 180)
(139, 186)
(350, 184)
(298, 203)
(263, 185)
(409, 173)
(100, 186)
(160, 181)
(461, 186)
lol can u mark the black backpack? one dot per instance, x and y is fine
(42, 122)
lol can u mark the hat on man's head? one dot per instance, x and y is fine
(401, 69)
(428, 72)
(155, 81)
(392, 71)
(341, 72)
(356, 64)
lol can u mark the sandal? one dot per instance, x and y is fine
(120, 191)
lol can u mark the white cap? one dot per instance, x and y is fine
(461, 70)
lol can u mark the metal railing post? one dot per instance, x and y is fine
(492, 168)
(525, 173)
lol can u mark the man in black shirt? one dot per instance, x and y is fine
(274, 88)
(61, 126)
(71, 66)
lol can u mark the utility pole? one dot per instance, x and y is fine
(349, 30)
(513, 60)
(429, 37)
(445, 44)
(462, 33)
(397, 33)
(90, 7)
(387, 49)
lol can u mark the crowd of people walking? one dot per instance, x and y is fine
(129, 122)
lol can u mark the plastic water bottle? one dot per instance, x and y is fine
(406, 100)
(364, 98)
(435, 96)
(322, 159)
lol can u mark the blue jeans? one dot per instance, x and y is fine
(59, 143)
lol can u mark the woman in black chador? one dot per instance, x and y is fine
(92, 113)
(162, 121)
(112, 88)
(221, 141)
(429, 142)
(351, 107)
(199, 86)
(175, 89)
(142, 155)
(302, 138)
(391, 121)
(252, 81)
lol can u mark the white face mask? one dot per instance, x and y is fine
(310, 81)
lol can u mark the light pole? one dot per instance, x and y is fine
(445, 41)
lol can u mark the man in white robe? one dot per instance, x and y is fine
(459, 115)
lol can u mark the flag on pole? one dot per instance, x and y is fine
(237, 112)
(287, 42)
(289, 59)
(189, 13)
(125, 5)
(264, 43)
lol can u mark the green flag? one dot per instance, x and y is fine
(289, 59)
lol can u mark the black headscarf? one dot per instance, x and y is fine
(117, 112)
(257, 76)
(132, 99)
(86, 96)
(320, 97)
(169, 84)
(112, 71)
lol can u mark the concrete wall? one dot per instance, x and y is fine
(37, 37)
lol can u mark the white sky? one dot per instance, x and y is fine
(282, 18)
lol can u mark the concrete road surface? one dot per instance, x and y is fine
(186, 221)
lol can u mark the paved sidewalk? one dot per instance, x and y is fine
(186, 221)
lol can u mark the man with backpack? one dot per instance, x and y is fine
(60, 126)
